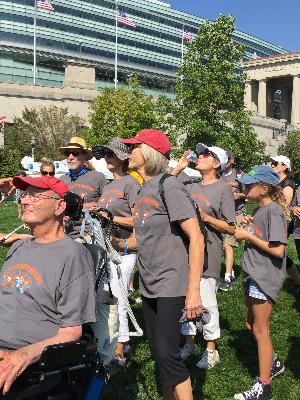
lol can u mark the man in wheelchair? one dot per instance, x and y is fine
(47, 285)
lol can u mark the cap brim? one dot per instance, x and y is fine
(247, 179)
(200, 148)
(21, 183)
(132, 141)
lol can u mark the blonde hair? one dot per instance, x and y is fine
(89, 165)
(276, 195)
(155, 162)
(46, 162)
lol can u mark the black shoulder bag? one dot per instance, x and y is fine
(183, 236)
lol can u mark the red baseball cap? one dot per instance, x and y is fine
(156, 139)
(42, 182)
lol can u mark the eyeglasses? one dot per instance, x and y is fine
(74, 152)
(206, 153)
(133, 146)
(38, 196)
(275, 163)
(45, 173)
(109, 154)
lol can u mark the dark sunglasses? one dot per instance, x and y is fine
(74, 152)
(275, 163)
(45, 173)
(109, 154)
(133, 146)
(206, 153)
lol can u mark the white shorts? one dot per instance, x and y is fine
(208, 293)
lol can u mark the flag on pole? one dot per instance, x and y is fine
(124, 19)
(233, 45)
(44, 4)
(186, 36)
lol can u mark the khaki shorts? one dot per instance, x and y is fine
(230, 239)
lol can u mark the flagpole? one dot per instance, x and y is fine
(116, 55)
(34, 44)
(182, 41)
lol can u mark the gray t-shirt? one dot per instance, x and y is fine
(236, 187)
(89, 187)
(182, 177)
(295, 202)
(267, 271)
(162, 257)
(119, 196)
(45, 286)
(217, 201)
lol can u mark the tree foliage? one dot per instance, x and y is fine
(290, 149)
(209, 107)
(123, 112)
(9, 162)
(51, 126)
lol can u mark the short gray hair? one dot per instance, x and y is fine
(155, 162)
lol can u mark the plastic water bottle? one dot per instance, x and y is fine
(250, 228)
(191, 156)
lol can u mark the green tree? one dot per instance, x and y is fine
(123, 112)
(290, 149)
(209, 107)
(9, 162)
(51, 126)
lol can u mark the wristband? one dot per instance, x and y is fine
(126, 244)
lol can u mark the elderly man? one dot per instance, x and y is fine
(86, 183)
(47, 290)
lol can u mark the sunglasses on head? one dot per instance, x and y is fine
(45, 173)
(109, 153)
(74, 152)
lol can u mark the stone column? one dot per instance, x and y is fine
(254, 100)
(80, 75)
(262, 97)
(247, 95)
(270, 102)
(284, 106)
(296, 100)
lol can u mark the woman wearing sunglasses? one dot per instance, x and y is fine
(216, 205)
(119, 197)
(47, 167)
(281, 165)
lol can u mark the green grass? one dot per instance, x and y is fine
(237, 347)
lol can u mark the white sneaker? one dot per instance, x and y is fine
(208, 359)
(187, 351)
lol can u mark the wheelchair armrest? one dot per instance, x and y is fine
(65, 355)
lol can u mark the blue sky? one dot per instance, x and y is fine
(275, 21)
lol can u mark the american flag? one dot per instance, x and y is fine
(124, 19)
(44, 4)
(233, 45)
(186, 36)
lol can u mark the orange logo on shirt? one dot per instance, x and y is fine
(136, 214)
(17, 278)
(202, 198)
(257, 231)
(146, 216)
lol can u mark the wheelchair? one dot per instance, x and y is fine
(66, 371)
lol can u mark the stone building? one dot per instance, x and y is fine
(267, 77)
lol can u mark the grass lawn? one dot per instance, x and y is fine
(237, 347)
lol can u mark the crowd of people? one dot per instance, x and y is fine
(48, 276)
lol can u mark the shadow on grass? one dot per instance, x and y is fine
(288, 287)
(244, 344)
(292, 361)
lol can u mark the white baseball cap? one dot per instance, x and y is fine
(220, 153)
(283, 159)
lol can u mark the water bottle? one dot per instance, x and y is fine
(250, 228)
(192, 156)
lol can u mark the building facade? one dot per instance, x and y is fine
(152, 50)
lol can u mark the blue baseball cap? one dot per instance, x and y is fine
(260, 173)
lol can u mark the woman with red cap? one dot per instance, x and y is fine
(169, 273)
